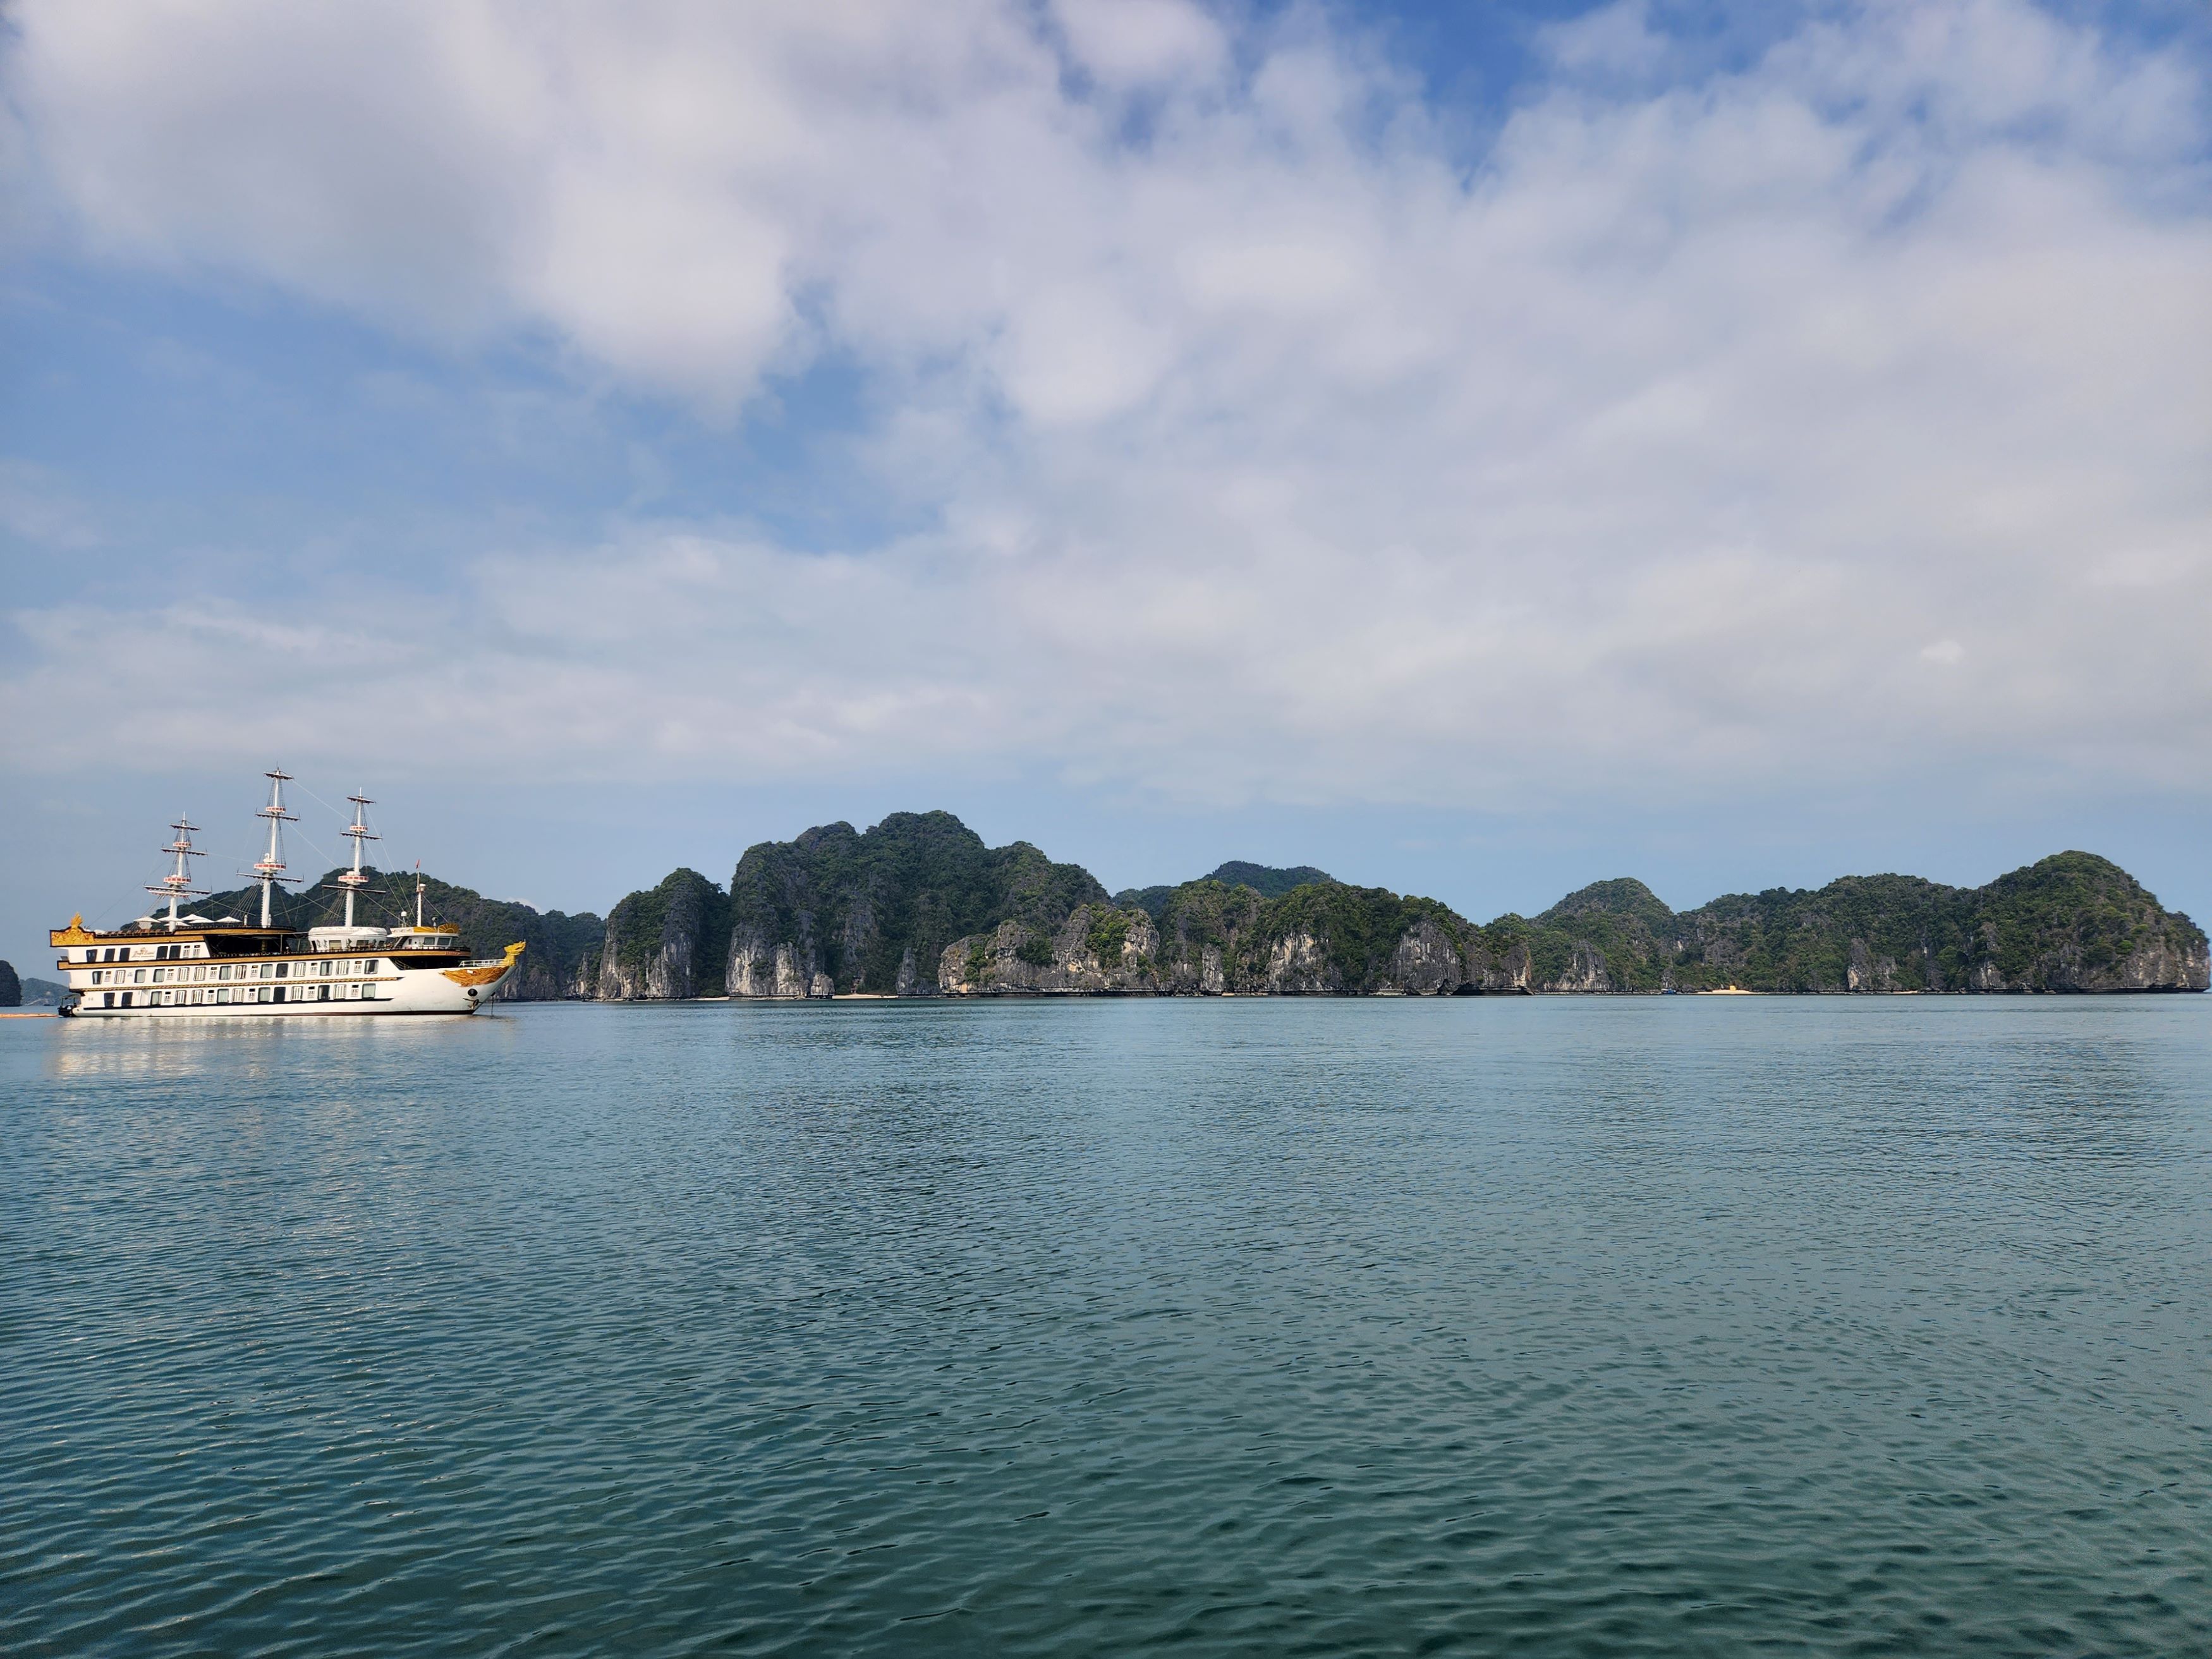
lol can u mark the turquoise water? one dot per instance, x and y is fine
(1565, 1327)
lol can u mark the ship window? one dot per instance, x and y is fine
(126, 999)
(137, 975)
(107, 999)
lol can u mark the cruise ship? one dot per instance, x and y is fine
(180, 965)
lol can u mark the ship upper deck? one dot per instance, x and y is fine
(229, 941)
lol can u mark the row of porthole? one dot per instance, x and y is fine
(138, 975)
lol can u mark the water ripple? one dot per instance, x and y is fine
(1465, 1326)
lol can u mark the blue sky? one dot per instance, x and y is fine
(1478, 450)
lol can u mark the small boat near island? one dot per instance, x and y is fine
(179, 965)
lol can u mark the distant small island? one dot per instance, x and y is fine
(27, 992)
(918, 907)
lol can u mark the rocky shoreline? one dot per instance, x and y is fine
(918, 907)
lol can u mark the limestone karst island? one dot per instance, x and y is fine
(918, 907)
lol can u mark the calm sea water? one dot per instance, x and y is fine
(1545, 1328)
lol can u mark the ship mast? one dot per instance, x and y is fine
(353, 881)
(418, 896)
(270, 870)
(177, 884)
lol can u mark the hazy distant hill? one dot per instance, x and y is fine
(560, 960)
(27, 992)
(1264, 879)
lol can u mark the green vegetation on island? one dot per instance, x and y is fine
(840, 910)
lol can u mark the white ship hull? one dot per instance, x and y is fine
(417, 991)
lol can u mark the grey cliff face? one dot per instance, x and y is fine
(1098, 950)
(665, 944)
(775, 969)
(1427, 961)
(1215, 944)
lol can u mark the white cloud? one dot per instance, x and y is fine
(1136, 42)
(1272, 451)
